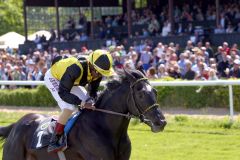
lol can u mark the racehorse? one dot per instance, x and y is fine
(95, 135)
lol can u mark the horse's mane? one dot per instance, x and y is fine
(117, 82)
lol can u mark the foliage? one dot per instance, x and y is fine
(189, 97)
(39, 96)
(11, 16)
(197, 96)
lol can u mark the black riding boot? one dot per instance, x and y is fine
(58, 140)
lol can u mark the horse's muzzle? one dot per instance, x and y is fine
(159, 126)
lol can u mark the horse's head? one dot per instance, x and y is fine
(143, 101)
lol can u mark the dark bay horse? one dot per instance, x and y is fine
(95, 135)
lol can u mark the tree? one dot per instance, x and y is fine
(11, 16)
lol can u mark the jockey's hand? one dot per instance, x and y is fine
(89, 106)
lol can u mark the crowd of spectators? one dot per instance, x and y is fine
(155, 21)
(198, 62)
(193, 62)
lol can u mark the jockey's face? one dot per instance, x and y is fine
(95, 74)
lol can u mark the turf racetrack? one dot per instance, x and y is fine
(184, 138)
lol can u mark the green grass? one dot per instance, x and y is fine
(190, 139)
(184, 138)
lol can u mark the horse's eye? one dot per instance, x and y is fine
(139, 87)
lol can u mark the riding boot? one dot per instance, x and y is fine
(58, 140)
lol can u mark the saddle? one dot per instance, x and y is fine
(42, 135)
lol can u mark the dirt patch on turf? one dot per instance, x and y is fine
(29, 109)
(203, 112)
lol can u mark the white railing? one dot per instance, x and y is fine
(228, 83)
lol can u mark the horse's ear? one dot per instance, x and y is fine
(129, 75)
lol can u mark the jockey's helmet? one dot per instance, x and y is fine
(102, 62)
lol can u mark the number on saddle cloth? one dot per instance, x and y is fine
(43, 133)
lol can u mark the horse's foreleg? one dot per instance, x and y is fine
(15, 152)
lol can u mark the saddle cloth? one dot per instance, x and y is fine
(42, 135)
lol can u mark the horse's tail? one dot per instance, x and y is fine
(5, 131)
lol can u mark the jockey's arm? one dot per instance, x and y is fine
(93, 87)
(66, 84)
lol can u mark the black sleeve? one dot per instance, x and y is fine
(93, 87)
(66, 84)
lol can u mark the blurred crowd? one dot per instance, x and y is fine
(192, 62)
(199, 62)
(155, 21)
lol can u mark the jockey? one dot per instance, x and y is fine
(65, 80)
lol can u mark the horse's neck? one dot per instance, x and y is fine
(116, 102)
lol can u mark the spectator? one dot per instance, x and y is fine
(53, 36)
(145, 33)
(222, 21)
(189, 29)
(205, 54)
(43, 72)
(166, 29)
(174, 71)
(162, 71)
(16, 75)
(212, 74)
(219, 30)
(8, 72)
(202, 73)
(229, 29)
(226, 48)
(189, 46)
(153, 26)
(190, 74)
(223, 65)
(180, 29)
(238, 27)
(82, 22)
(197, 51)
(151, 73)
(117, 63)
(83, 37)
(199, 15)
(70, 23)
(209, 49)
(146, 57)
(109, 31)
(192, 58)
(218, 54)
(235, 70)
(182, 64)
(84, 51)
(101, 33)
(160, 50)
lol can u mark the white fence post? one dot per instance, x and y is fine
(231, 102)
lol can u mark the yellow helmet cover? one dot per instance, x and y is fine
(102, 62)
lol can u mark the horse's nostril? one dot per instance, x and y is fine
(164, 123)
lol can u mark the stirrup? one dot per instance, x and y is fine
(55, 149)
(59, 145)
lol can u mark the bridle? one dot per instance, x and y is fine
(140, 113)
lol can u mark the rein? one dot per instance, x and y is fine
(129, 116)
